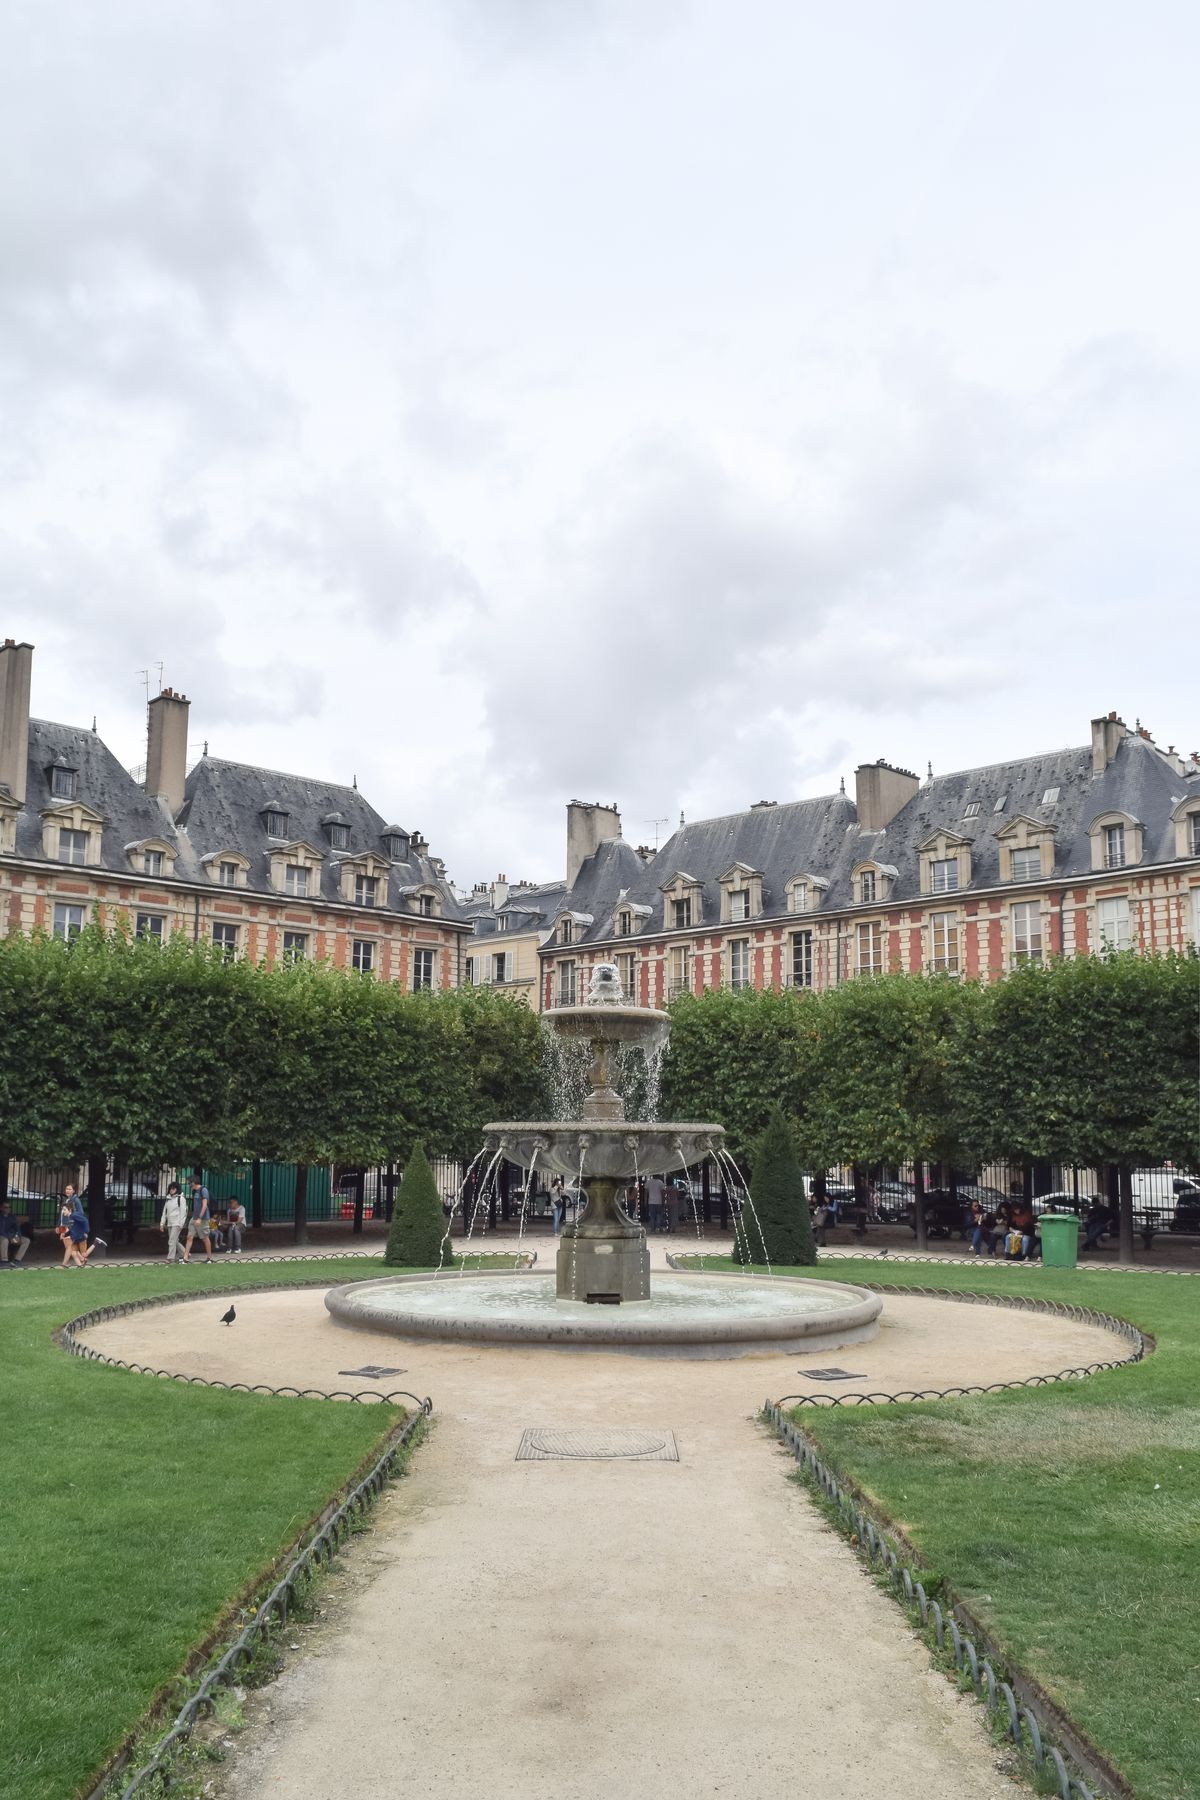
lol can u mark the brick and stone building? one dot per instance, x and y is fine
(262, 864)
(964, 874)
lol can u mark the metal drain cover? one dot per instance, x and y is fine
(372, 1372)
(598, 1443)
(830, 1375)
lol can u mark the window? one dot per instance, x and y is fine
(425, 905)
(422, 969)
(229, 874)
(502, 922)
(225, 937)
(739, 963)
(681, 914)
(68, 921)
(1194, 833)
(566, 983)
(364, 890)
(1196, 917)
(866, 887)
(679, 970)
(566, 930)
(739, 903)
(72, 846)
(624, 924)
(627, 970)
(1001, 803)
(362, 956)
(152, 862)
(295, 946)
(62, 783)
(800, 896)
(1114, 846)
(802, 959)
(943, 874)
(295, 880)
(972, 809)
(1027, 864)
(1027, 931)
(277, 824)
(1112, 924)
(339, 837)
(500, 966)
(870, 948)
(396, 846)
(943, 943)
(150, 925)
(1050, 797)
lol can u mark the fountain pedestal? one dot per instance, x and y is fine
(604, 1257)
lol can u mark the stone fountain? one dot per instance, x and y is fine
(604, 1257)
(601, 1296)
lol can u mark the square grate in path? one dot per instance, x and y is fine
(595, 1443)
(830, 1375)
(372, 1372)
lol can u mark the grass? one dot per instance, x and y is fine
(135, 1512)
(1066, 1518)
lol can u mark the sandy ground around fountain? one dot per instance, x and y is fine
(594, 1630)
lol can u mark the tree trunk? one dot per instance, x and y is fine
(97, 1184)
(1125, 1214)
(919, 1222)
(300, 1224)
(360, 1182)
(3, 1174)
(389, 1192)
(256, 1215)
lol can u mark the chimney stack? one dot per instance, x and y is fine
(879, 793)
(166, 748)
(16, 674)
(588, 826)
(1106, 735)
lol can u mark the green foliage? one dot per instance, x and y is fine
(780, 1229)
(735, 1057)
(417, 1233)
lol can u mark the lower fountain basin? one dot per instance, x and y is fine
(686, 1315)
(614, 1150)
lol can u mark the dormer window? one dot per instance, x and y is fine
(943, 874)
(972, 809)
(502, 921)
(625, 923)
(1001, 803)
(339, 837)
(1116, 840)
(152, 862)
(739, 903)
(741, 894)
(295, 880)
(871, 882)
(72, 846)
(683, 898)
(396, 846)
(227, 874)
(1185, 817)
(805, 892)
(866, 887)
(1194, 834)
(365, 887)
(566, 931)
(799, 896)
(276, 823)
(63, 782)
(1026, 865)
(681, 914)
(425, 905)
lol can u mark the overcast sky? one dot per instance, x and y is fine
(660, 401)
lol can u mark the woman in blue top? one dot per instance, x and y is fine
(72, 1216)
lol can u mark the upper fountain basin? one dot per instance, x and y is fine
(608, 1023)
(608, 1150)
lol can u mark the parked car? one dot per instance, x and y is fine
(894, 1200)
(944, 1215)
(988, 1197)
(1061, 1202)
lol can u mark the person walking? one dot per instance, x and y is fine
(558, 1204)
(199, 1225)
(235, 1224)
(12, 1238)
(172, 1220)
(76, 1249)
(656, 1202)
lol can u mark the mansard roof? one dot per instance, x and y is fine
(223, 809)
(103, 786)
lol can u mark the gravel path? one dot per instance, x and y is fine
(583, 1630)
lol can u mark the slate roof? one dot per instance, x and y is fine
(821, 838)
(532, 908)
(223, 810)
(130, 814)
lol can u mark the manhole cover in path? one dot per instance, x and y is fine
(372, 1372)
(552, 1443)
(830, 1375)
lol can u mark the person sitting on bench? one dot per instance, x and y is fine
(12, 1238)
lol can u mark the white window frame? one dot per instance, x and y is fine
(295, 880)
(1114, 845)
(362, 955)
(627, 970)
(943, 874)
(944, 935)
(739, 963)
(868, 887)
(295, 946)
(870, 935)
(145, 923)
(739, 905)
(366, 887)
(1027, 944)
(679, 971)
(802, 959)
(152, 862)
(501, 960)
(799, 896)
(66, 924)
(71, 840)
(1033, 851)
(226, 936)
(681, 913)
(228, 872)
(624, 923)
(566, 981)
(1195, 921)
(1193, 836)
(424, 968)
(1114, 923)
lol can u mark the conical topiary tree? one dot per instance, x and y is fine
(418, 1227)
(779, 1229)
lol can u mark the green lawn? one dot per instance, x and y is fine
(1067, 1518)
(135, 1511)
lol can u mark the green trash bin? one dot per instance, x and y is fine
(1060, 1240)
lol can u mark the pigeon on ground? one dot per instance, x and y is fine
(882, 1253)
(229, 1317)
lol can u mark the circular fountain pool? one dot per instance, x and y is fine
(695, 1314)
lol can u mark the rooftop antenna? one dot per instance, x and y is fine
(681, 816)
(145, 675)
(656, 823)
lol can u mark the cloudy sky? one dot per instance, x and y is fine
(660, 401)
